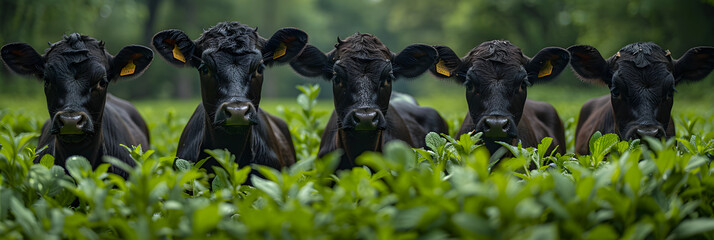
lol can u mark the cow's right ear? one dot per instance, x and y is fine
(175, 47)
(312, 63)
(447, 65)
(23, 59)
(589, 65)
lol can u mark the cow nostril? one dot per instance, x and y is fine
(82, 122)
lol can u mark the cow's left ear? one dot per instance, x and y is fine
(284, 45)
(696, 64)
(23, 59)
(130, 62)
(448, 64)
(547, 64)
(414, 60)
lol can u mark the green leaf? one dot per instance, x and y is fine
(434, 141)
(77, 166)
(206, 219)
(695, 162)
(409, 218)
(272, 189)
(691, 227)
(182, 165)
(601, 232)
(593, 138)
(47, 160)
(473, 223)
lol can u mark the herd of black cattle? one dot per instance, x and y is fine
(230, 58)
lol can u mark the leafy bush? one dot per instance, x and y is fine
(647, 189)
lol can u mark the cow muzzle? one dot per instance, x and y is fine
(236, 114)
(365, 119)
(497, 127)
(71, 123)
(645, 131)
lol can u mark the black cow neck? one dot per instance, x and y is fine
(354, 143)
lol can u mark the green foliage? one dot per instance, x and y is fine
(307, 123)
(649, 189)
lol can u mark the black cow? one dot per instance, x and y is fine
(84, 119)
(361, 70)
(230, 58)
(641, 78)
(496, 75)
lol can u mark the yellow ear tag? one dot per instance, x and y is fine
(177, 54)
(128, 69)
(546, 70)
(441, 68)
(280, 51)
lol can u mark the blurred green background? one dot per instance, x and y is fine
(531, 24)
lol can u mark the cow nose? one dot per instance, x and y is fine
(496, 126)
(365, 119)
(236, 113)
(71, 123)
(654, 132)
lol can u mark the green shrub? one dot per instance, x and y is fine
(647, 189)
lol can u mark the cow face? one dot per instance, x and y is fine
(642, 79)
(230, 58)
(362, 69)
(76, 72)
(496, 75)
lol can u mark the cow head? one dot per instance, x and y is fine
(362, 69)
(230, 58)
(496, 75)
(641, 78)
(76, 72)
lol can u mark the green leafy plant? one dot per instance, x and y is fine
(452, 188)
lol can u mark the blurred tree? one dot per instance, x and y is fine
(460, 24)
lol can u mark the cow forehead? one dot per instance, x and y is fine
(642, 55)
(230, 37)
(496, 51)
(362, 46)
(655, 74)
(76, 48)
(493, 70)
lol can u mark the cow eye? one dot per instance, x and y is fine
(203, 68)
(471, 88)
(260, 68)
(104, 82)
(615, 92)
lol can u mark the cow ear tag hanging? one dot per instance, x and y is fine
(442, 69)
(177, 54)
(128, 69)
(546, 70)
(280, 51)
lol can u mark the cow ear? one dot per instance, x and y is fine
(696, 64)
(414, 60)
(589, 65)
(23, 59)
(547, 64)
(447, 65)
(284, 45)
(312, 63)
(175, 47)
(131, 62)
